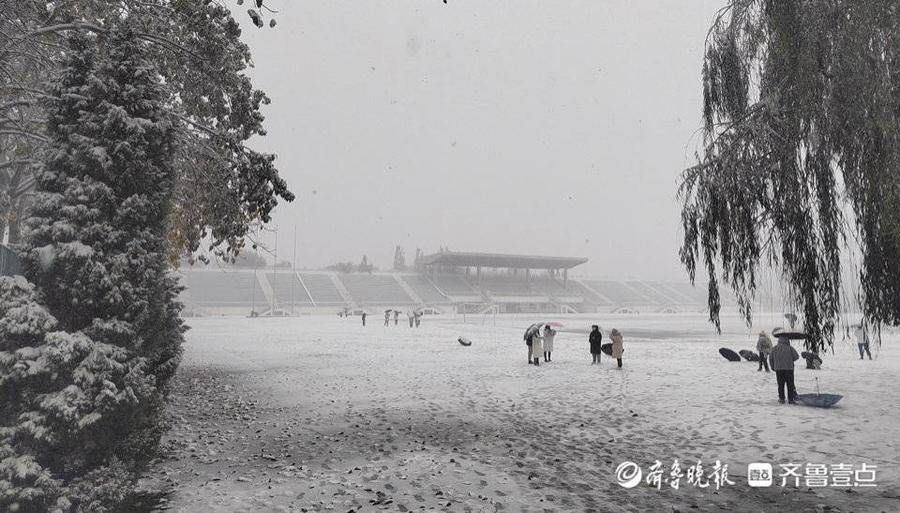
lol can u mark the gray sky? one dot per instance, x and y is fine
(555, 128)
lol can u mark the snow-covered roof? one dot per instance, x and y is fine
(462, 259)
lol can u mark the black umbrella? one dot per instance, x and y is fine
(534, 328)
(791, 335)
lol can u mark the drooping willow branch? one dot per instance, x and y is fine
(800, 127)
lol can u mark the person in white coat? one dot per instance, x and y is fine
(549, 334)
(618, 346)
(537, 347)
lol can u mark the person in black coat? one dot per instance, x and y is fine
(528, 341)
(596, 340)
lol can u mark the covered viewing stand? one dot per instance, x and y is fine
(451, 261)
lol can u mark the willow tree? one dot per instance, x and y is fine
(799, 165)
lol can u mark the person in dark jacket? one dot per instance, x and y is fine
(528, 341)
(596, 340)
(363, 315)
(782, 360)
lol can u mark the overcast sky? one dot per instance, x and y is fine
(524, 126)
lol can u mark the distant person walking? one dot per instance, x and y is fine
(862, 340)
(387, 317)
(410, 316)
(418, 318)
(596, 340)
(363, 315)
(549, 334)
(396, 317)
(782, 359)
(764, 347)
(618, 346)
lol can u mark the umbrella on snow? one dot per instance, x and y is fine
(819, 400)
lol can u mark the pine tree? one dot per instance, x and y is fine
(87, 353)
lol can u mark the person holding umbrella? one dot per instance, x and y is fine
(549, 334)
(537, 346)
(529, 337)
(782, 358)
(596, 340)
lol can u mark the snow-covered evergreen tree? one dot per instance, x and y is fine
(86, 352)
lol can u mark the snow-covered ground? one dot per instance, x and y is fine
(321, 414)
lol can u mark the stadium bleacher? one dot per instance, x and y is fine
(454, 285)
(651, 293)
(500, 285)
(322, 289)
(375, 289)
(697, 294)
(215, 288)
(589, 295)
(449, 283)
(617, 292)
(552, 287)
(423, 287)
(288, 289)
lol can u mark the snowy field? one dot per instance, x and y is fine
(320, 414)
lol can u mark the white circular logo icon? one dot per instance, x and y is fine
(628, 474)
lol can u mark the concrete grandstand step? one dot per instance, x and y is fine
(266, 288)
(406, 288)
(342, 290)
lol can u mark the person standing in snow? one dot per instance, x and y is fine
(396, 317)
(409, 316)
(549, 334)
(618, 346)
(862, 340)
(764, 347)
(387, 318)
(528, 344)
(418, 318)
(537, 346)
(782, 360)
(363, 315)
(596, 341)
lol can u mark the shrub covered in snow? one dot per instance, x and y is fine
(90, 341)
